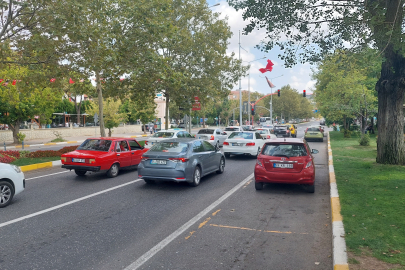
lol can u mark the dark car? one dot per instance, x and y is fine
(282, 131)
(181, 160)
(147, 126)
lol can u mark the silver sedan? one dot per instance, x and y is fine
(214, 136)
(181, 160)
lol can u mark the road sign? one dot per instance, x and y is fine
(95, 118)
(196, 104)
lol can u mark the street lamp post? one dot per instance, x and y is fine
(240, 91)
(271, 100)
(249, 109)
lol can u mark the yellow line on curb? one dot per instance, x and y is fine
(330, 162)
(49, 143)
(341, 267)
(332, 177)
(336, 216)
(72, 142)
(20, 146)
(36, 166)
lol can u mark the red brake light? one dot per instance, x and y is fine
(212, 137)
(144, 158)
(268, 136)
(178, 159)
(250, 144)
(226, 143)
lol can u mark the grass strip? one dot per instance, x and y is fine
(30, 161)
(372, 198)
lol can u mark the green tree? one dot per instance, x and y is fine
(376, 23)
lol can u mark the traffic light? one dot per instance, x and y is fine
(253, 110)
(278, 92)
(304, 93)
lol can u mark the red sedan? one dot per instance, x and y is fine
(286, 161)
(104, 154)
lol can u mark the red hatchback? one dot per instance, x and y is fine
(286, 161)
(104, 154)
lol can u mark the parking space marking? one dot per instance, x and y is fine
(66, 204)
(162, 244)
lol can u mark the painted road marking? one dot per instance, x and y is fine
(45, 175)
(249, 229)
(162, 244)
(65, 204)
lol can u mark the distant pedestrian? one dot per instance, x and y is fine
(151, 129)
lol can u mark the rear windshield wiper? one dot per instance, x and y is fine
(281, 156)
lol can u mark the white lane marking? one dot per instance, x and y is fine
(45, 175)
(66, 204)
(145, 257)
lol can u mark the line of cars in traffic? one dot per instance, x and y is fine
(176, 155)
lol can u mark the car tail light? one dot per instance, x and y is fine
(63, 159)
(92, 161)
(259, 162)
(309, 164)
(288, 131)
(226, 143)
(250, 144)
(178, 159)
(144, 158)
(180, 178)
(268, 136)
(212, 138)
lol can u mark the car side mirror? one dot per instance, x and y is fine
(314, 151)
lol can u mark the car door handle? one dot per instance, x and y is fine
(133, 153)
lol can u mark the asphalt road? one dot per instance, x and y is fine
(62, 221)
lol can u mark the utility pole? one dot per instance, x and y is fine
(240, 91)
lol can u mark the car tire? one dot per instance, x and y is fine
(6, 193)
(80, 172)
(221, 166)
(149, 181)
(196, 177)
(113, 171)
(259, 185)
(227, 155)
(310, 188)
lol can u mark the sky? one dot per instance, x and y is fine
(298, 77)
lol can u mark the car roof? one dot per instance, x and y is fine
(183, 140)
(110, 138)
(233, 127)
(285, 140)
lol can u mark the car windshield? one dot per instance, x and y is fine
(231, 129)
(162, 134)
(95, 145)
(171, 147)
(314, 129)
(289, 150)
(241, 135)
(206, 131)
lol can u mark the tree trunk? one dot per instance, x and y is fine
(344, 122)
(390, 117)
(109, 132)
(144, 128)
(15, 129)
(78, 108)
(363, 124)
(100, 104)
(167, 111)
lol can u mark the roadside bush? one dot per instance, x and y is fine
(24, 154)
(20, 137)
(347, 133)
(364, 140)
(51, 153)
(11, 153)
(6, 159)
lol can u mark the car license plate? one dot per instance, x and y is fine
(282, 165)
(78, 160)
(236, 144)
(314, 133)
(158, 162)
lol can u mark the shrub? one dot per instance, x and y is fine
(347, 133)
(51, 153)
(20, 137)
(11, 153)
(24, 154)
(364, 140)
(6, 159)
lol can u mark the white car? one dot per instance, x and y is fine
(166, 134)
(230, 129)
(214, 136)
(266, 133)
(243, 142)
(12, 182)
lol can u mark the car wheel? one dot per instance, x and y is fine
(80, 172)
(113, 171)
(227, 155)
(258, 185)
(149, 181)
(196, 177)
(6, 193)
(221, 166)
(310, 188)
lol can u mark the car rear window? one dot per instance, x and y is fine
(171, 147)
(95, 145)
(313, 129)
(163, 134)
(206, 131)
(262, 131)
(280, 127)
(231, 129)
(241, 135)
(289, 150)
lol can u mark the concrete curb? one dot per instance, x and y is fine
(41, 165)
(338, 242)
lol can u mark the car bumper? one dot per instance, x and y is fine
(306, 176)
(163, 174)
(82, 168)
(19, 184)
(240, 150)
(318, 137)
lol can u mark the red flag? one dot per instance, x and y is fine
(14, 82)
(263, 70)
(71, 81)
(52, 80)
(1, 80)
(270, 65)
(270, 84)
